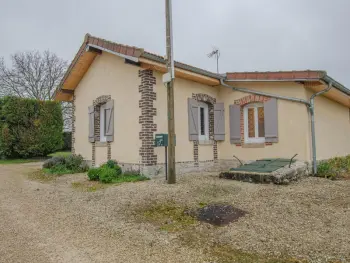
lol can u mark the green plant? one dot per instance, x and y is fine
(59, 169)
(94, 174)
(337, 167)
(107, 175)
(49, 163)
(74, 162)
(113, 164)
(29, 128)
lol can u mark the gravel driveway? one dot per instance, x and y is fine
(52, 222)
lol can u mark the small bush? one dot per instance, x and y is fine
(94, 174)
(66, 164)
(107, 175)
(58, 160)
(59, 169)
(337, 167)
(113, 165)
(73, 162)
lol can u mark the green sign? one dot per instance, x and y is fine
(161, 140)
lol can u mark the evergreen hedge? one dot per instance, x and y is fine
(29, 127)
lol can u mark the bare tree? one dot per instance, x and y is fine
(34, 75)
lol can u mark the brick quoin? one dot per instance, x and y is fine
(146, 120)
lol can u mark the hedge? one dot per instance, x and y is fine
(29, 128)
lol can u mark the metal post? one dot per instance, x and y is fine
(170, 94)
(166, 163)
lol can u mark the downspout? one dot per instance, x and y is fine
(310, 105)
(313, 133)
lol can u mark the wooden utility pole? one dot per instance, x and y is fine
(170, 94)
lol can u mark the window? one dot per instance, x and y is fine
(103, 123)
(203, 121)
(254, 123)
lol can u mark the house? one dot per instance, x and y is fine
(119, 104)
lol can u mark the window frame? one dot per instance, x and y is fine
(204, 106)
(256, 139)
(103, 137)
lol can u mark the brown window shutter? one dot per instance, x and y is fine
(219, 122)
(193, 130)
(91, 124)
(110, 121)
(271, 120)
(235, 123)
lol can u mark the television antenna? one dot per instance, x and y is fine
(216, 54)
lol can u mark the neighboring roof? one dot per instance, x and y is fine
(301, 75)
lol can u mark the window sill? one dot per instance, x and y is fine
(253, 145)
(206, 142)
(101, 144)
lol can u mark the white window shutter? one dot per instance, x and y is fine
(110, 121)
(219, 122)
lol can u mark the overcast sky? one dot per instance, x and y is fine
(253, 35)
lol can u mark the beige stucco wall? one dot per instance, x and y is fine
(183, 90)
(292, 123)
(332, 126)
(109, 75)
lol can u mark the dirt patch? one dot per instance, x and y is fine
(88, 186)
(54, 222)
(219, 214)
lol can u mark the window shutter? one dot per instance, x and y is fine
(235, 124)
(91, 124)
(271, 120)
(219, 122)
(110, 121)
(193, 130)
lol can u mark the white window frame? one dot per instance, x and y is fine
(204, 137)
(256, 139)
(103, 137)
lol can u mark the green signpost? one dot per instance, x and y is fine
(161, 140)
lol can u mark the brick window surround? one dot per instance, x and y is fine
(242, 102)
(210, 101)
(97, 104)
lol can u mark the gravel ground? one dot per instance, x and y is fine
(52, 222)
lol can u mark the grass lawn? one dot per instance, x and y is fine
(17, 161)
(60, 154)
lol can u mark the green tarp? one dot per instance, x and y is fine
(263, 166)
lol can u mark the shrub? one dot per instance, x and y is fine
(73, 162)
(66, 164)
(29, 127)
(58, 160)
(335, 167)
(107, 175)
(94, 174)
(113, 164)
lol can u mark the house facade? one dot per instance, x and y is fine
(120, 103)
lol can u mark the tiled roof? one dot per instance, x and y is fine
(139, 52)
(277, 75)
